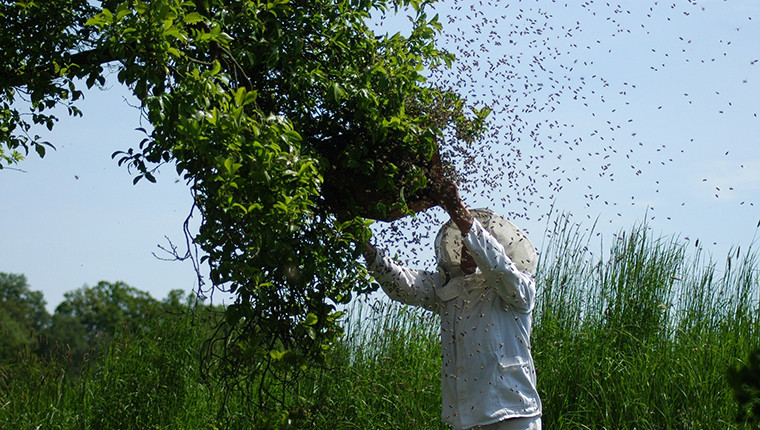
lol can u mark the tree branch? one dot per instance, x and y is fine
(90, 57)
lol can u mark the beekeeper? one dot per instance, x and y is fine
(484, 292)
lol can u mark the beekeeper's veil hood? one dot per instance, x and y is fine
(448, 242)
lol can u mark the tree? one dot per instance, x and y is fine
(22, 315)
(106, 309)
(293, 123)
(14, 337)
(21, 304)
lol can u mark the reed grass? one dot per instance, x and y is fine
(386, 372)
(642, 336)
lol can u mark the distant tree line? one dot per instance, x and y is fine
(81, 325)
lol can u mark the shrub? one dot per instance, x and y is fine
(745, 381)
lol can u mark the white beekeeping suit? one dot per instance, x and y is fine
(487, 371)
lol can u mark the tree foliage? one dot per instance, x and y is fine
(107, 308)
(23, 304)
(292, 121)
(22, 315)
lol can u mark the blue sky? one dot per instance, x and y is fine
(74, 217)
(661, 102)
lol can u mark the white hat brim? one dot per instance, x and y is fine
(448, 242)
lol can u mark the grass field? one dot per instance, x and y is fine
(637, 334)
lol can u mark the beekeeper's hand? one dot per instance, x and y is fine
(446, 194)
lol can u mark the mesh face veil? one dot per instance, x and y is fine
(448, 243)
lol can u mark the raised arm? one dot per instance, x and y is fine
(516, 288)
(412, 287)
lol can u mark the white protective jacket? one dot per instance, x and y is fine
(487, 372)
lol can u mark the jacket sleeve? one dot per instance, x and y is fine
(516, 288)
(408, 286)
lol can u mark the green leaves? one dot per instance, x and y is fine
(311, 319)
(336, 93)
(231, 166)
(37, 65)
(101, 20)
(192, 18)
(242, 96)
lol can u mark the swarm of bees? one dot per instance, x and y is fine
(574, 88)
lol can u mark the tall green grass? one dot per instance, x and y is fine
(386, 372)
(144, 380)
(641, 336)
(635, 334)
